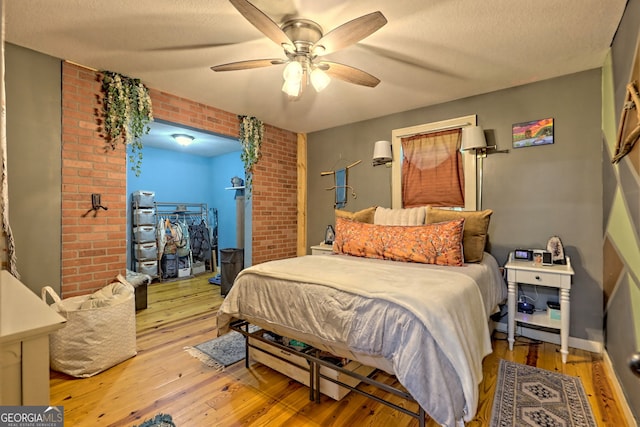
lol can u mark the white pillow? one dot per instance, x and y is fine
(408, 216)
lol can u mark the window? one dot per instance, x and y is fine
(432, 171)
(468, 159)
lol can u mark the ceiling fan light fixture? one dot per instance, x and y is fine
(319, 79)
(292, 87)
(182, 139)
(292, 72)
(288, 48)
(303, 41)
(318, 50)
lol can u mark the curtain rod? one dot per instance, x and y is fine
(461, 125)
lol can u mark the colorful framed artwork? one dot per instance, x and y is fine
(531, 134)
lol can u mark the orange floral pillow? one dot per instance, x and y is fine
(439, 243)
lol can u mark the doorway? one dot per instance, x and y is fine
(195, 174)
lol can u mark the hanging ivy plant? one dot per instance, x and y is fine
(127, 113)
(251, 132)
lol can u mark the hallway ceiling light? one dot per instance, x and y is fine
(183, 139)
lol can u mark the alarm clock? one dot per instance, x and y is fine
(523, 254)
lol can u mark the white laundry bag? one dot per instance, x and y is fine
(100, 331)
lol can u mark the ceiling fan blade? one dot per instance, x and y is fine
(349, 33)
(188, 48)
(247, 65)
(349, 74)
(262, 22)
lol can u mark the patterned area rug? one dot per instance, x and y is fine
(223, 351)
(160, 420)
(529, 396)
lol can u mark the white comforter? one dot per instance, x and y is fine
(429, 322)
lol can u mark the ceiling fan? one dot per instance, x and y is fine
(304, 43)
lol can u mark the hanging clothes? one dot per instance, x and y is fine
(174, 236)
(199, 241)
(182, 239)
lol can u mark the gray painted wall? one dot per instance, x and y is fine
(535, 192)
(621, 327)
(33, 83)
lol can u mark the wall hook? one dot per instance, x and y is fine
(96, 205)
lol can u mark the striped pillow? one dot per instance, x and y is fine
(406, 216)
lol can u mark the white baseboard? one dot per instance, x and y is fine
(540, 335)
(617, 389)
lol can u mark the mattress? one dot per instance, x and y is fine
(426, 324)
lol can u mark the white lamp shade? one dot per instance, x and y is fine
(291, 87)
(473, 138)
(382, 151)
(293, 71)
(319, 79)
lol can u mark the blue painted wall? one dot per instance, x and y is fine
(183, 178)
(222, 169)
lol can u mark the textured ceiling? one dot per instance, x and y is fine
(429, 52)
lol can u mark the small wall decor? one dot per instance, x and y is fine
(530, 134)
(629, 128)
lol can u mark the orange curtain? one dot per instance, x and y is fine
(432, 172)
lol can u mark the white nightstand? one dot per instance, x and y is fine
(322, 249)
(552, 276)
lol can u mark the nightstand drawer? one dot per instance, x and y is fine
(536, 278)
(322, 249)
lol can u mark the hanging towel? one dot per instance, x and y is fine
(341, 188)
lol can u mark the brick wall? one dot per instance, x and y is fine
(274, 197)
(94, 248)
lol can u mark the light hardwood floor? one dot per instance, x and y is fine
(163, 377)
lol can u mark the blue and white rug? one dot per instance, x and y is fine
(223, 351)
(160, 420)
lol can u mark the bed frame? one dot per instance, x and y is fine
(315, 362)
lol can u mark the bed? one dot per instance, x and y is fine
(425, 323)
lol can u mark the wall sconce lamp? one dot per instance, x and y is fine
(183, 139)
(382, 153)
(473, 139)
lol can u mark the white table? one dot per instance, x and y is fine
(25, 324)
(552, 276)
